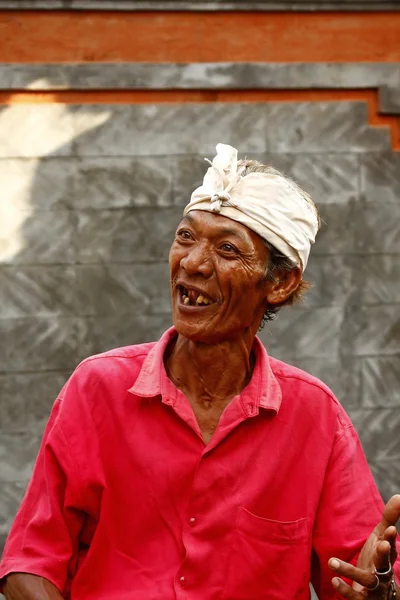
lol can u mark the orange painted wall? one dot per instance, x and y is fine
(199, 37)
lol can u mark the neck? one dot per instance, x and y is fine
(211, 373)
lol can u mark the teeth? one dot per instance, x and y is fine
(200, 300)
(203, 300)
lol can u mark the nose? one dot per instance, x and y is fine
(197, 261)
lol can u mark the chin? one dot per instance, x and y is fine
(201, 333)
(196, 332)
(192, 332)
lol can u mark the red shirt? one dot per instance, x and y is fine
(127, 502)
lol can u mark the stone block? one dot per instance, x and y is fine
(122, 182)
(19, 76)
(29, 237)
(11, 494)
(328, 178)
(323, 127)
(380, 178)
(380, 380)
(38, 183)
(332, 281)
(90, 182)
(18, 453)
(37, 130)
(387, 476)
(105, 333)
(188, 173)
(377, 279)
(165, 129)
(378, 228)
(38, 344)
(301, 332)
(353, 280)
(34, 130)
(40, 291)
(106, 290)
(378, 431)
(27, 398)
(126, 235)
(220, 75)
(338, 233)
(298, 75)
(371, 330)
(389, 101)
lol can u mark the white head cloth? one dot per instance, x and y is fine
(266, 203)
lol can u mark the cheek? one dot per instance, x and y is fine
(175, 257)
(243, 277)
(242, 291)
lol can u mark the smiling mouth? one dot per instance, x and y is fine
(191, 297)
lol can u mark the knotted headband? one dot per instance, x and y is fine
(266, 203)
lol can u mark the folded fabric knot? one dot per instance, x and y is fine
(218, 199)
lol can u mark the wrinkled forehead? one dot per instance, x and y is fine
(216, 224)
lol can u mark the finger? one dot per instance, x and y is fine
(390, 535)
(346, 591)
(391, 512)
(363, 577)
(382, 561)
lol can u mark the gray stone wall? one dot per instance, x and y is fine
(90, 197)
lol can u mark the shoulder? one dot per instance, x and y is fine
(293, 377)
(98, 388)
(125, 355)
(309, 395)
(116, 370)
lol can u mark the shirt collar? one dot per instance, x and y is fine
(263, 390)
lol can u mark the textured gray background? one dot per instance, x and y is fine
(90, 197)
(207, 76)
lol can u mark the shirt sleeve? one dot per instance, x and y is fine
(349, 509)
(44, 537)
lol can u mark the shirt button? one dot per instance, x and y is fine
(182, 581)
(192, 521)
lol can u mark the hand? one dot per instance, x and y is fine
(378, 552)
(23, 586)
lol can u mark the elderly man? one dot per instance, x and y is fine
(199, 468)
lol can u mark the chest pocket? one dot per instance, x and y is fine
(268, 559)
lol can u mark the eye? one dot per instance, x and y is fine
(228, 248)
(184, 234)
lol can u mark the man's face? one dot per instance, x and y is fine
(217, 267)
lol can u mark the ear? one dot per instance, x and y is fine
(286, 283)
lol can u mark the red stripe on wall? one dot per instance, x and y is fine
(199, 37)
